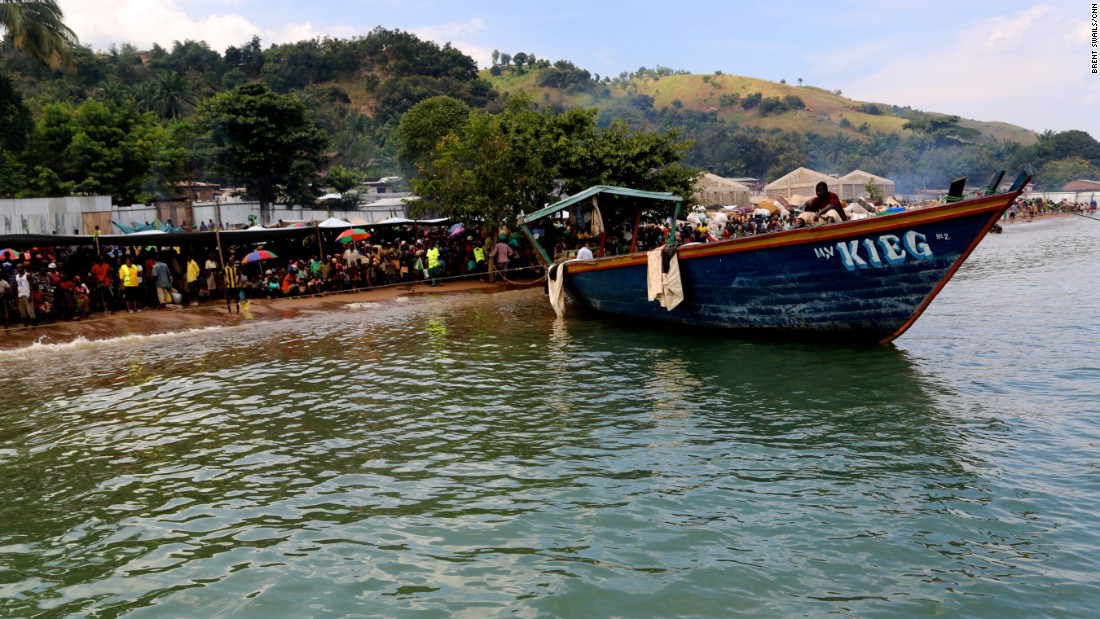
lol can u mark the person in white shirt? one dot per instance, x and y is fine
(584, 253)
(23, 294)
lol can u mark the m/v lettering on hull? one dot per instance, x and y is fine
(888, 249)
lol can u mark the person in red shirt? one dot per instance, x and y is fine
(825, 202)
(289, 285)
(101, 282)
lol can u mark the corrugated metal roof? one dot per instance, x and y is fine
(598, 189)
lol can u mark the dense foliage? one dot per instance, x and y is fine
(264, 140)
(498, 166)
(133, 123)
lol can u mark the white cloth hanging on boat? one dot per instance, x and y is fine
(555, 280)
(596, 225)
(665, 288)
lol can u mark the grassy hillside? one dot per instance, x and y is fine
(825, 111)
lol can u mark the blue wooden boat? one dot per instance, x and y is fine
(857, 281)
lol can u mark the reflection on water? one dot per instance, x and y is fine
(473, 455)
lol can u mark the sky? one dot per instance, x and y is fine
(1022, 62)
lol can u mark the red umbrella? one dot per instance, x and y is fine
(9, 254)
(354, 234)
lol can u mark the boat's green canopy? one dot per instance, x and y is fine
(598, 189)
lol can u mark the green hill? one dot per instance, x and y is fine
(825, 112)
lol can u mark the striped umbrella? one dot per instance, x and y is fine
(258, 255)
(354, 234)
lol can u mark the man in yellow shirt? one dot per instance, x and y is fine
(192, 280)
(128, 275)
(434, 263)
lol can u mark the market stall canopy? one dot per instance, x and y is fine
(401, 221)
(333, 222)
(153, 237)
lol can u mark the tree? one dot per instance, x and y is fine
(1054, 174)
(517, 161)
(423, 126)
(342, 181)
(1076, 143)
(873, 191)
(944, 130)
(37, 28)
(262, 139)
(15, 118)
(97, 148)
(169, 95)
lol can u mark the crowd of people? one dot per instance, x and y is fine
(72, 283)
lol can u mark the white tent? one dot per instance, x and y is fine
(332, 222)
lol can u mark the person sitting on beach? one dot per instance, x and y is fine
(825, 205)
(289, 284)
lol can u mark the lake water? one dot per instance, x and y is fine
(472, 456)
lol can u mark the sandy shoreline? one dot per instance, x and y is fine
(210, 314)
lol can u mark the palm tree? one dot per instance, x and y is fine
(837, 147)
(170, 95)
(36, 26)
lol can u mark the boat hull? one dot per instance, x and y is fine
(865, 280)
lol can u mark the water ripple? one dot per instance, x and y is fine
(471, 456)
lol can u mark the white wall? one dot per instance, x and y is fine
(48, 215)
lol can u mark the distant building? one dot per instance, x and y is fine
(854, 185)
(713, 190)
(1081, 185)
(378, 187)
(755, 185)
(197, 191)
(801, 184)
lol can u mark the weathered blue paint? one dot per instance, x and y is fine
(864, 280)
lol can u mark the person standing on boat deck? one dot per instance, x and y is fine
(584, 253)
(826, 202)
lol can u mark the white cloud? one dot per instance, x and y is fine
(1030, 69)
(458, 34)
(144, 22)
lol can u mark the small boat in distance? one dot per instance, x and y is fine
(865, 280)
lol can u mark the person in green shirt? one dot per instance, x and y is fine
(433, 262)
